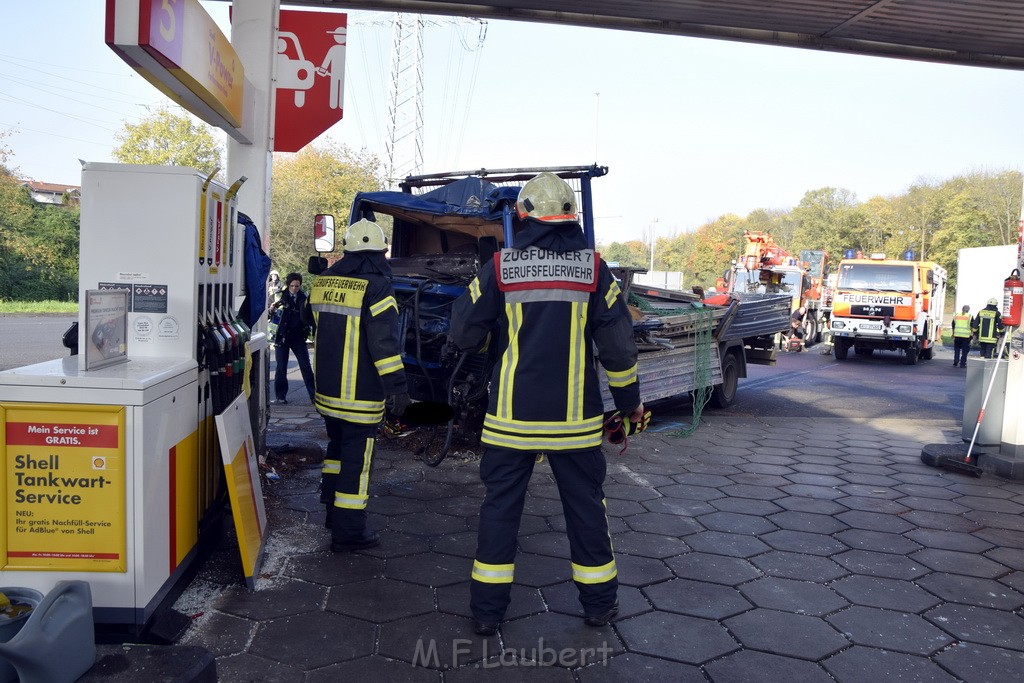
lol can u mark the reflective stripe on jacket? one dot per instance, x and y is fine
(962, 325)
(356, 356)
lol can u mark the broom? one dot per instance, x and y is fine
(952, 462)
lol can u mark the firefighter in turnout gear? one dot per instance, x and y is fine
(962, 334)
(543, 307)
(988, 325)
(357, 366)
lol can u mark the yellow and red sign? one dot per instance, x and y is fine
(63, 487)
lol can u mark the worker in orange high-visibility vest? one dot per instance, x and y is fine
(962, 334)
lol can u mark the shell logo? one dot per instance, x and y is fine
(99, 463)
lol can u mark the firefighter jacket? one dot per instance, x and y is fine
(962, 325)
(357, 359)
(989, 324)
(546, 307)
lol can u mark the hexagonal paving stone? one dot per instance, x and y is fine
(395, 544)
(759, 480)
(861, 663)
(753, 492)
(248, 667)
(959, 563)
(524, 601)
(870, 492)
(943, 522)
(310, 641)
(880, 564)
(990, 504)
(791, 635)
(878, 541)
(728, 571)
(972, 662)
(948, 540)
(335, 568)
(425, 490)
(1008, 557)
(934, 504)
(380, 600)
(634, 667)
(641, 571)
(803, 542)
(660, 523)
(747, 665)
(999, 520)
(541, 570)
(551, 543)
(891, 630)
(280, 599)
(871, 591)
(437, 641)
(805, 521)
(698, 479)
(787, 595)
(564, 598)
(797, 566)
(648, 545)
(814, 506)
(372, 668)
(688, 492)
(678, 506)
(675, 637)
(1000, 537)
(505, 667)
(430, 569)
(462, 544)
(389, 505)
(745, 506)
(531, 636)
(730, 522)
(808, 491)
(222, 634)
(697, 599)
(459, 506)
(617, 507)
(427, 524)
(970, 590)
(979, 625)
(873, 521)
(733, 545)
(629, 492)
(879, 506)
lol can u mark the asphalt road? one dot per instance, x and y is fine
(805, 384)
(808, 384)
(28, 339)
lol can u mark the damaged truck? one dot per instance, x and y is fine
(445, 225)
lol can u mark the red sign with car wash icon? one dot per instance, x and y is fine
(310, 64)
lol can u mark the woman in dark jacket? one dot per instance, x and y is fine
(291, 336)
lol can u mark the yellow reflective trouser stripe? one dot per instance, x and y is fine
(387, 365)
(474, 289)
(605, 572)
(492, 573)
(350, 358)
(350, 500)
(383, 305)
(364, 475)
(540, 443)
(577, 352)
(621, 378)
(613, 293)
(510, 359)
(331, 467)
(556, 428)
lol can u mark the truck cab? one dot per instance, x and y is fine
(885, 304)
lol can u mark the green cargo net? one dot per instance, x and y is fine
(645, 306)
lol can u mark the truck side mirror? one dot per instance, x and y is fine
(323, 233)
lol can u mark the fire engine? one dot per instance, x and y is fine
(888, 304)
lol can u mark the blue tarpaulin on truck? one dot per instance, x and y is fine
(469, 200)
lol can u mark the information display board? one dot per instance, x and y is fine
(63, 487)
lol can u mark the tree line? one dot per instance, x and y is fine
(933, 218)
(39, 243)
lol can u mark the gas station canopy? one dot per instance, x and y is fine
(975, 32)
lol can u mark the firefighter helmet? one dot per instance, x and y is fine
(547, 198)
(364, 235)
(993, 302)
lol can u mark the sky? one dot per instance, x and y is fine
(690, 129)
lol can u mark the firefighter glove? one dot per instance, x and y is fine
(397, 403)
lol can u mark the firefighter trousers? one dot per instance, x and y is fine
(345, 479)
(580, 477)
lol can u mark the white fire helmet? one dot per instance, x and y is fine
(364, 235)
(547, 198)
